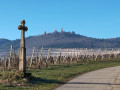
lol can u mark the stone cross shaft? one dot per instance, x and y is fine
(22, 56)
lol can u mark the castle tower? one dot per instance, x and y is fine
(62, 30)
(45, 33)
(55, 31)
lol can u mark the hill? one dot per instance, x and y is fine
(62, 40)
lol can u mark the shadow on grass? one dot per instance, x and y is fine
(37, 80)
(69, 65)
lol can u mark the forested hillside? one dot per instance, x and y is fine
(62, 40)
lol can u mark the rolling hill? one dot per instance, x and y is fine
(62, 40)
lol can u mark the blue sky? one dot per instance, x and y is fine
(92, 18)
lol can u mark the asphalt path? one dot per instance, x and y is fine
(103, 79)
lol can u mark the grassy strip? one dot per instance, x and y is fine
(53, 76)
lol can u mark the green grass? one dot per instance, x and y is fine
(53, 76)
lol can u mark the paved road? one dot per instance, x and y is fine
(104, 79)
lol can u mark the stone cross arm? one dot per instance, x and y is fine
(22, 26)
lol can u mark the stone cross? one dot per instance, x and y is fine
(22, 56)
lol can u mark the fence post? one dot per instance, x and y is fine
(59, 57)
(74, 52)
(105, 53)
(99, 53)
(32, 57)
(36, 59)
(67, 52)
(10, 55)
(48, 56)
(5, 61)
(40, 56)
(116, 54)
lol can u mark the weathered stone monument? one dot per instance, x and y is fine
(22, 56)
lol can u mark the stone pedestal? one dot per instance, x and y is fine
(22, 59)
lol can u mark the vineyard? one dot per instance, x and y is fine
(44, 57)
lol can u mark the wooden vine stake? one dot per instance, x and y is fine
(9, 59)
(31, 61)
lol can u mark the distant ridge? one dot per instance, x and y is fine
(62, 40)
